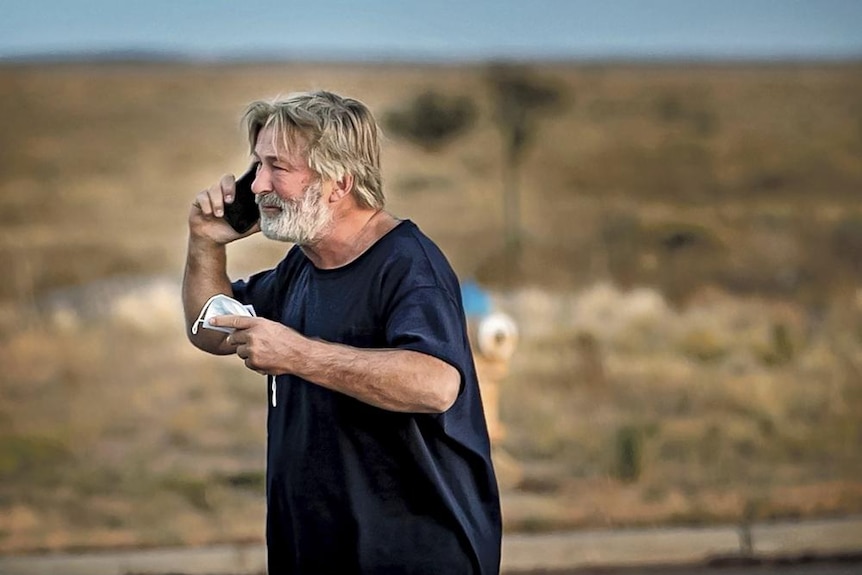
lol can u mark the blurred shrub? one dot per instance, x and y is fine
(432, 120)
(22, 455)
(415, 183)
(629, 454)
(690, 256)
(591, 363)
(705, 345)
(251, 480)
(677, 236)
(679, 257)
(192, 489)
(847, 243)
(621, 236)
(782, 344)
(672, 108)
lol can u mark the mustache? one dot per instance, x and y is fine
(270, 200)
(273, 200)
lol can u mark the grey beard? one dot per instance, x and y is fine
(302, 221)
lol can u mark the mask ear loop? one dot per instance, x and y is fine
(199, 322)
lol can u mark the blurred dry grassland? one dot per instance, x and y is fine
(688, 290)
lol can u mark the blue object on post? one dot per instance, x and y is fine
(477, 302)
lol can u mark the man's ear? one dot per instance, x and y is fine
(341, 187)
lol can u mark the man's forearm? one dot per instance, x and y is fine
(205, 275)
(397, 380)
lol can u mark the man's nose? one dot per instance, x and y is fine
(261, 183)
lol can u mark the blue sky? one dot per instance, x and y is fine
(438, 29)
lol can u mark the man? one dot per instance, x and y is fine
(378, 459)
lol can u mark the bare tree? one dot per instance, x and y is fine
(520, 99)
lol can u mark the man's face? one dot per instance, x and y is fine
(290, 195)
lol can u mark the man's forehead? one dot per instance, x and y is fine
(272, 142)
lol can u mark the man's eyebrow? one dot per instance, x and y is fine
(270, 158)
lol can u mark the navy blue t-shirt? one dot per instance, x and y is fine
(352, 488)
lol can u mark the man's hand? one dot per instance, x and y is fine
(206, 216)
(267, 347)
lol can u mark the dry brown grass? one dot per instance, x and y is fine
(728, 418)
(687, 292)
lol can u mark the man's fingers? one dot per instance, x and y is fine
(212, 200)
(228, 187)
(234, 321)
(216, 199)
(202, 202)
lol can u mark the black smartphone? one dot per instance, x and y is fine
(243, 212)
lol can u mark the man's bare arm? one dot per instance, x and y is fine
(393, 379)
(204, 277)
(206, 260)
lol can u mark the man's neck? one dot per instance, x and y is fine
(350, 237)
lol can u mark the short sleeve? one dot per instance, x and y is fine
(427, 320)
(258, 291)
(262, 290)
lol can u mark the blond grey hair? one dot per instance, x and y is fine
(339, 136)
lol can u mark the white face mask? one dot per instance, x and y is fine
(220, 304)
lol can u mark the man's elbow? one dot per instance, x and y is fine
(210, 342)
(447, 390)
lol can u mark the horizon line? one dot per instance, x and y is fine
(145, 55)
